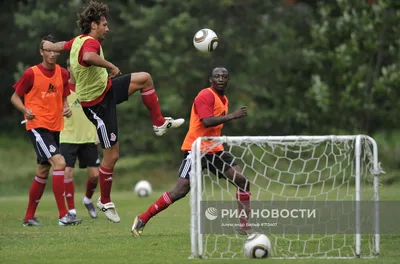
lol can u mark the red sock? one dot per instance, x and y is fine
(162, 203)
(90, 188)
(150, 100)
(35, 194)
(243, 199)
(58, 191)
(106, 177)
(69, 193)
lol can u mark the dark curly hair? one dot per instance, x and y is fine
(91, 13)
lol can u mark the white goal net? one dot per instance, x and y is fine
(321, 170)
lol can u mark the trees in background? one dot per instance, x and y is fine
(313, 67)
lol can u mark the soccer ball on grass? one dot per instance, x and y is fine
(257, 246)
(205, 40)
(143, 188)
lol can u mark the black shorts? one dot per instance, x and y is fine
(217, 163)
(46, 144)
(104, 114)
(87, 154)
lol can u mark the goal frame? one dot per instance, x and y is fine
(196, 236)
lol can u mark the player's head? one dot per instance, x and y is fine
(49, 57)
(93, 20)
(219, 79)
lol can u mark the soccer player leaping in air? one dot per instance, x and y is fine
(209, 113)
(99, 93)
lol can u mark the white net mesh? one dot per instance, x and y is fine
(291, 169)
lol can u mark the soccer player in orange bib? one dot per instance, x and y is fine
(207, 118)
(41, 95)
(100, 93)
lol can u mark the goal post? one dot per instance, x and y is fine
(323, 173)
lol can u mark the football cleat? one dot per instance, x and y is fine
(91, 210)
(169, 123)
(72, 212)
(137, 227)
(109, 210)
(32, 222)
(68, 220)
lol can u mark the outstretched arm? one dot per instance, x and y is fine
(218, 120)
(57, 47)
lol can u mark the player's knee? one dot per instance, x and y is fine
(145, 79)
(179, 192)
(110, 159)
(93, 174)
(141, 77)
(182, 193)
(114, 157)
(94, 178)
(43, 171)
(146, 76)
(59, 162)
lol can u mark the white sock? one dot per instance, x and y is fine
(72, 211)
(87, 200)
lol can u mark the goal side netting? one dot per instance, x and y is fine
(323, 170)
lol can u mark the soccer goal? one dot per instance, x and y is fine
(320, 171)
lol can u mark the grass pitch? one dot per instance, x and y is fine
(165, 238)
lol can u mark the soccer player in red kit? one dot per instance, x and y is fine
(99, 93)
(41, 95)
(207, 118)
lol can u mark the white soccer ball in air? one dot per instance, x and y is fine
(143, 188)
(205, 40)
(257, 246)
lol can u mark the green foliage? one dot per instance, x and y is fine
(354, 56)
(317, 67)
(388, 146)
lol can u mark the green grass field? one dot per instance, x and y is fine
(165, 239)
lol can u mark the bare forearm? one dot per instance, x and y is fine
(58, 46)
(66, 110)
(17, 102)
(217, 120)
(94, 59)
